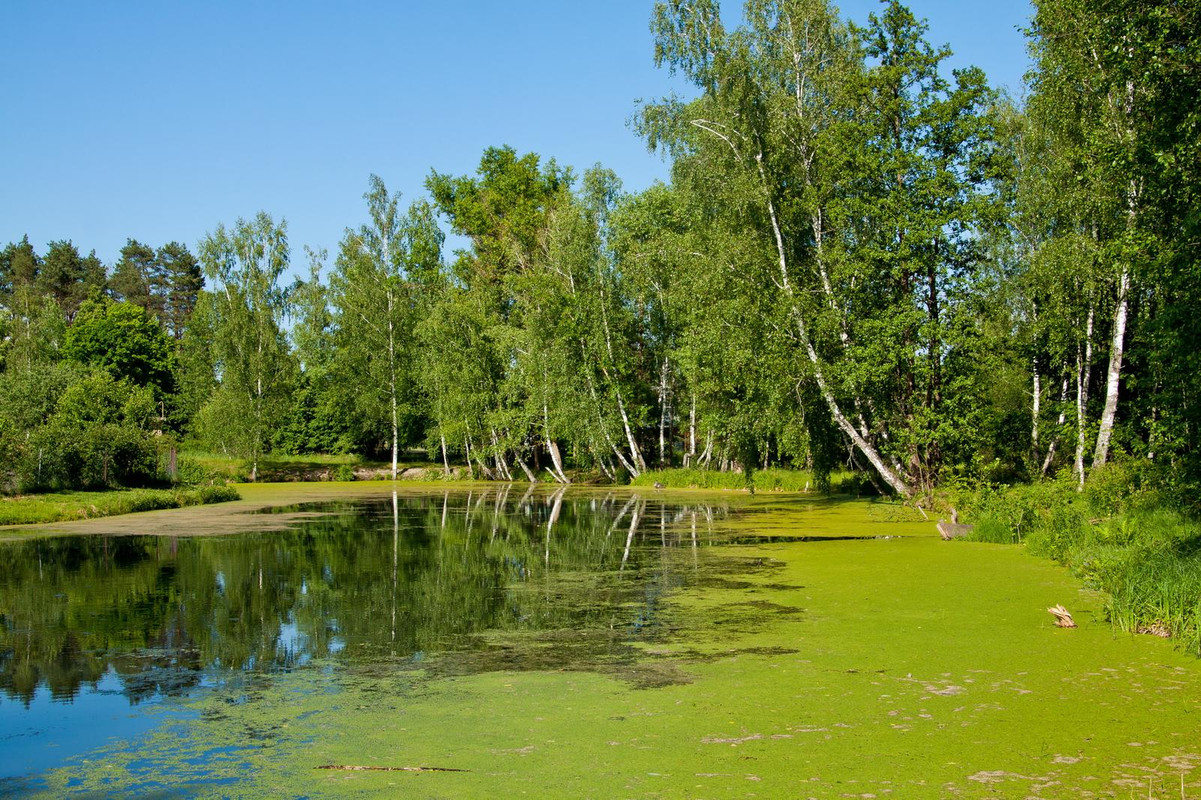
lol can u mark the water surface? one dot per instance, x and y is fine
(578, 644)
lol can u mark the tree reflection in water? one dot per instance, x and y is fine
(481, 579)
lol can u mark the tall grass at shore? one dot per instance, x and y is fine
(63, 506)
(1121, 535)
(765, 480)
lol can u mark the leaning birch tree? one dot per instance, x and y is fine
(768, 101)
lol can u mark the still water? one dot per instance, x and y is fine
(98, 634)
(570, 645)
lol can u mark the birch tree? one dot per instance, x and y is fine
(374, 300)
(244, 265)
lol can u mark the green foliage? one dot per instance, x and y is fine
(65, 428)
(861, 262)
(382, 273)
(100, 435)
(68, 278)
(125, 341)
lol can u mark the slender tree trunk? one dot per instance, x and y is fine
(1114, 375)
(1063, 412)
(392, 385)
(664, 373)
(502, 466)
(445, 459)
(395, 435)
(606, 467)
(467, 457)
(691, 457)
(707, 455)
(553, 449)
(526, 469)
(557, 460)
(1036, 409)
(1084, 360)
(635, 453)
(629, 467)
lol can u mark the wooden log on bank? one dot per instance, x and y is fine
(953, 529)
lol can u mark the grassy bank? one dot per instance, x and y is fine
(63, 506)
(1119, 535)
(767, 480)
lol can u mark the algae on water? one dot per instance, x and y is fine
(704, 650)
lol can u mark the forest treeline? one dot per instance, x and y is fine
(863, 259)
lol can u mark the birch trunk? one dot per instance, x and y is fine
(1084, 359)
(526, 469)
(1036, 410)
(502, 465)
(629, 467)
(552, 448)
(1114, 375)
(869, 451)
(690, 456)
(557, 460)
(664, 373)
(635, 453)
(1063, 413)
(392, 382)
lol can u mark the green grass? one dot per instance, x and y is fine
(64, 506)
(767, 480)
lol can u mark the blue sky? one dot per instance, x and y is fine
(158, 120)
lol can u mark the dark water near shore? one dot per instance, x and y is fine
(96, 632)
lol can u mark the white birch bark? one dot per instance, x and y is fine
(552, 448)
(664, 373)
(526, 469)
(1063, 413)
(1084, 360)
(1114, 374)
(1036, 409)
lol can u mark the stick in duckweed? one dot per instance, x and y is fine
(1063, 618)
(361, 767)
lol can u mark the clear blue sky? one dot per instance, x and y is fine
(157, 120)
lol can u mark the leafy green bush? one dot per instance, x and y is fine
(344, 472)
(214, 494)
(190, 472)
(100, 435)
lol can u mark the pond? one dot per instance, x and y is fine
(500, 640)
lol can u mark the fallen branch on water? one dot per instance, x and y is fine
(362, 768)
(1063, 617)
